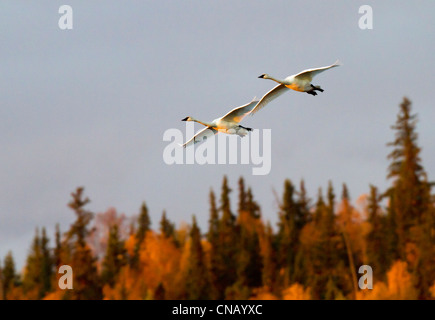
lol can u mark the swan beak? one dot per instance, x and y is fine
(262, 76)
(185, 119)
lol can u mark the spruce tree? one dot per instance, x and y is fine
(10, 278)
(226, 250)
(213, 239)
(167, 228)
(378, 255)
(47, 264)
(39, 268)
(287, 236)
(144, 224)
(86, 281)
(115, 257)
(409, 193)
(249, 261)
(197, 281)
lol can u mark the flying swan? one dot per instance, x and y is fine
(229, 123)
(298, 82)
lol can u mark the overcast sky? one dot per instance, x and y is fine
(89, 106)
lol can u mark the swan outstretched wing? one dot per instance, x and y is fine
(268, 97)
(310, 73)
(237, 114)
(202, 135)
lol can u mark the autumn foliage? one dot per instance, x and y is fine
(314, 251)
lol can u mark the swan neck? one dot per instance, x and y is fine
(278, 80)
(202, 122)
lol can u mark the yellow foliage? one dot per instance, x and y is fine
(296, 292)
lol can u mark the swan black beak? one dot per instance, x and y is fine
(185, 119)
(262, 76)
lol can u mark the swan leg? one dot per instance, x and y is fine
(312, 92)
(249, 129)
(317, 88)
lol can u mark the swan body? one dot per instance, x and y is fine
(299, 82)
(228, 124)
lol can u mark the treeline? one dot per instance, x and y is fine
(314, 252)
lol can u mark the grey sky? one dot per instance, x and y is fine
(89, 106)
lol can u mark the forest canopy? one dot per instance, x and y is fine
(314, 251)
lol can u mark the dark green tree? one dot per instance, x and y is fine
(39, 268)
(287, 236)
(197, 281)
(144, 223)
(225, 250)
(213, 239)
(377, 240)
(115, 258)
(167, 228)
(10, 277)
(410, 192)
(86, 281)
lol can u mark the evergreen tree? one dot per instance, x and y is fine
(167, 228)
(249, 261)
(213, 231)
(251, 206)
(85, 277)
(115, 257)
(409, 194)
(302, 219)
(39, 268)
(2, 296)
(47, 264)
(32, 276)
(242, 195)
(377, 242)
(328, 254)
(287, 236)
(10, 278)
(58, 248)
(213, 239)
(303, 204)
(144, 224)
(197, 282)
(225, 250)
(346, 229)
(269, 260)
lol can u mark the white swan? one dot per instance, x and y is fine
(298, 82)
(229, 123)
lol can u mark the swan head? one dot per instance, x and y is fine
(264, 76)
(187, 119)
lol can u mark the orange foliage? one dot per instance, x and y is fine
(130, 286)
(160, 259)
(296, 292)
(130, 245)
(263, 294)
(400, 286)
